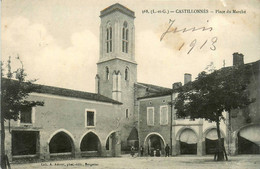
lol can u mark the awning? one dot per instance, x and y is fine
(251, 133)
(133, 135)
(188, 136)
(213, 135)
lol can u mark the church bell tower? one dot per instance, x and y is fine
(116, 66)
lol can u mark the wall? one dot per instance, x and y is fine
(68, 115)
(144, 129)
(199, 126)
(250, 116)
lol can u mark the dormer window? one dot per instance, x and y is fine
(125, 38)
(109, 38)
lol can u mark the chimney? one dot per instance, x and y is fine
(176, 85)
(187, 78)
(238, 59)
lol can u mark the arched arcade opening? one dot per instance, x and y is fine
(61, 143)
(90, 145)
(154, 145)
(188, 142)
(133, 139)
(211, 141)
(111, 144)
(249, 140)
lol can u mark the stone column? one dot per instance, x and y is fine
(44, 146)
(77, 152)
(102, 148)
(110, 144)
(178, 147)
(45, 153)
(174, 142)
(200, 139)
(8, 143)
(233, 144)
(117, 144)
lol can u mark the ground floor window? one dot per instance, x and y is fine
(24, 142)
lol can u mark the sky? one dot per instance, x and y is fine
(58, 40)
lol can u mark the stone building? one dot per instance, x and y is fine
(123, 112)
(71, 123)
(244, 126)
(156, 116)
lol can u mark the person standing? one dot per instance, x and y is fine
(167, 150)
(132, 151)
(141, 150)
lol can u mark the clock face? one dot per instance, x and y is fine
(125, 24)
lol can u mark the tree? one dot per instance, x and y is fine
(15, 90)
(212, 93)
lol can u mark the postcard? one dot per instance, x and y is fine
(105, 78)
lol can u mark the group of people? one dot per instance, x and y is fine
(167, 151)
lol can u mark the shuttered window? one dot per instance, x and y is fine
(150, 116)
(163, 115)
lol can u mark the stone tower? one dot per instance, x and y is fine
(116, 68)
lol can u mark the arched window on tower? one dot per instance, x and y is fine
(125, 38)
(116, 92)
(126, 114)
(107, 73)
(126, 73)
(109, 38)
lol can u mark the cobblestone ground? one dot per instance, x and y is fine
(127, 162)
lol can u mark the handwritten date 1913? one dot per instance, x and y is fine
(212, 42)
(172, 29)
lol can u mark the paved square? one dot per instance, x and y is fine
(127, 162)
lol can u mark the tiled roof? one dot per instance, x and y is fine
(166, 91)
(154, 87)
(72, 93)
(154, 91)
(254, 65)
(117, 7)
